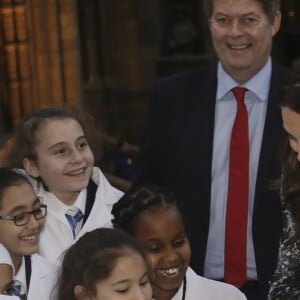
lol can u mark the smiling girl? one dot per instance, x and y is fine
(150, 214)
(52, 146)
(105, 264)
(22, 216)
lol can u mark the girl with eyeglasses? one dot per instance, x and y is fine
(22, 216)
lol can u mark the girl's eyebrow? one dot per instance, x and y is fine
(128, 280)
(153, 240)
(62, 143)
(55, 145)
(81, 137)
(120, 282)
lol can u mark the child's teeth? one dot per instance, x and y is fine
(76, 172)
(169, 272)
(29, 238)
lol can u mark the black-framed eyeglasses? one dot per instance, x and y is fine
(23, 219)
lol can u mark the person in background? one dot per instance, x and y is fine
(286, 280)
(22, 216)
(52, 146)
(211, 137)
(150, 214)
(104, 264)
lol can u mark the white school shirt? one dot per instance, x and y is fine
(56, 235)
(43, 280)
(5, 257)
(200, 288)
(256, 100)
(5, 297)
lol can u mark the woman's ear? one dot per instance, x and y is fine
(79, 293)
(31, 167)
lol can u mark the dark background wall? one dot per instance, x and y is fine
(102, 56)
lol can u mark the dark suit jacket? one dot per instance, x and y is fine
(177, 153)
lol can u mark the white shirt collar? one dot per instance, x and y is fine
(57, 207)
(258, 84)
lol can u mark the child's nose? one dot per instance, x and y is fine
(76, 156)
(171, 255)
(139, 294)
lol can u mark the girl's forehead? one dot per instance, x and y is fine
(18, 196)
(46, 123)
(162, 220)
(162, 209)
(59, 128)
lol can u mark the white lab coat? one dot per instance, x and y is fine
(5, 257)
(56, 236)
(43, 281)
(200, 288)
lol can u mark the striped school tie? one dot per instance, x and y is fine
(74, 219)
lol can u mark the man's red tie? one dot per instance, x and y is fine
(235, 265)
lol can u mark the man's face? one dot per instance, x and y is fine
(242, 36)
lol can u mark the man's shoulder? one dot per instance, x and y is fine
(278, 69)
(190, 76)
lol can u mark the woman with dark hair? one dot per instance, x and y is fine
(286, 279)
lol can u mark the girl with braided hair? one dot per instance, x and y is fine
(151, 215)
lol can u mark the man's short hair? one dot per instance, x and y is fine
(270, 7)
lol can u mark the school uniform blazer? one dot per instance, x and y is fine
(200, 288)
(44, 276)
(57, 236)
(177, 152)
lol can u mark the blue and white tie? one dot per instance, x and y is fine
(74, 219)
(16, 289)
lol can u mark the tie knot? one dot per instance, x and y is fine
(78, 216)
(239, 93)
(75, 214)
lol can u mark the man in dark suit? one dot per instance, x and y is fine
(186, 143)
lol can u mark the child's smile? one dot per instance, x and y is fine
(65, 160)
(160, 229)
(20, 240)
